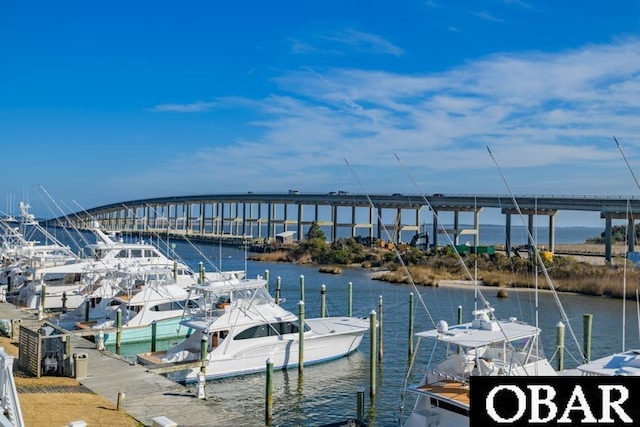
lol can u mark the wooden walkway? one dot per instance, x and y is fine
(146, 395)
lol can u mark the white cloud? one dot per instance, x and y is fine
(544, 115)
(346, 42)
(365, 42)
(195, 107)
(487, 16)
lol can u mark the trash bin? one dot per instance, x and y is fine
(81, 364)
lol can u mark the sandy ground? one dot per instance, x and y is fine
(43, 406)
(592, 253)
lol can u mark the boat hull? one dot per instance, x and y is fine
(165, 329)
(283, 352)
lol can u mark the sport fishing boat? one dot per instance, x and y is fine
(83, 278)
(145, 295)
(243, 327)
(22, 252)
(485, 346)
(625, 363)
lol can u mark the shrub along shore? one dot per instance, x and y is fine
(576, 268)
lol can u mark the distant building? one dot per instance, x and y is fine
(285, 237)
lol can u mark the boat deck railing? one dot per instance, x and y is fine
(449, 376)
(11, 414)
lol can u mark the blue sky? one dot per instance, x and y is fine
(102, 102)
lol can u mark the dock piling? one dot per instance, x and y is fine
(43, 297)
(373, 324)
(64, 301)
(301, 338)
(120, 401)
(302, 287)
(410, 350)
(350, 300)
(560, 345)
(278, 283)
(587, 321)
(100, 343)
(360, 406)
(323, 300)
(119, 330)
(68, 367)
(154, 334)
(266, 277)
(268, 410)
(202, 382)
(204, 341)
(380, 345)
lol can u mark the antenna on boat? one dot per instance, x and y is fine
(628, 235)
(95, 225)
(184, 237)
(473, 279)
(395, 247)
(245, 259)
(536, 253)
(61, 211)
(627, 162)
(638, 311)
(475, 262)
(478, 293)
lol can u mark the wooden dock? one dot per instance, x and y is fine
(147, 395)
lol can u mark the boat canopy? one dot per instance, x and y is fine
(482, 331)
(226, 286)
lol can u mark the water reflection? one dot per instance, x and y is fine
(325, 393)
(328, 392)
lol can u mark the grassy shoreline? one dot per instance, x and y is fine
(574, 268)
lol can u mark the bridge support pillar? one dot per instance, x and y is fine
(507, 240)
(631, 233)
(607, 240)
(552, 233)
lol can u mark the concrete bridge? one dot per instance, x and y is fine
(262, 216)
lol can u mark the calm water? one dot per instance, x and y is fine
(495, 234)
(327, 393)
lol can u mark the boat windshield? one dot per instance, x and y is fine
(253, 296)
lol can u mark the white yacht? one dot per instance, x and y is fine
(625, 363)
(82, 279)
(244, 327)
(22, 253)
(145, 295)
(485, 346)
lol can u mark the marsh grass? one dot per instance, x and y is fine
(565, 273)
(331, 269)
